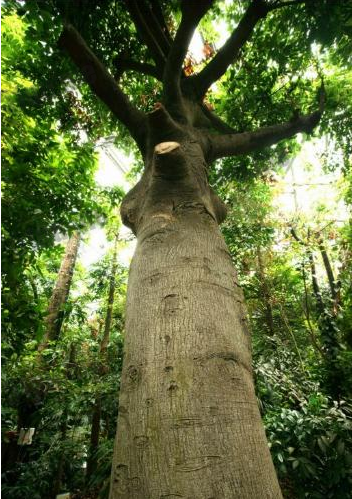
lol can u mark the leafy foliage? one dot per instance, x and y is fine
(307, 427)
(47, 181)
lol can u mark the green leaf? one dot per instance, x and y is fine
(295, 464)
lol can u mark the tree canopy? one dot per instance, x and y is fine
(269, 75)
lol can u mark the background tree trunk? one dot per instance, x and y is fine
(103, 368)
(58, 477)
(31, 402)
(265, 294)
(55, 316)
(328, 269)
(189, 424)
(110, 304)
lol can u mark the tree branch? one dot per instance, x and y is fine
(328, 269)
(244, 143)
(296, 237)
(145, 25)
(102, 83)
(192, 12)
(122, 64)
(216, 122)
(230, 51)
(153, 20)
(159, 16)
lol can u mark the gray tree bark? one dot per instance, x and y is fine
(189, 424)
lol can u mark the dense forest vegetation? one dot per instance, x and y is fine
(63, 321)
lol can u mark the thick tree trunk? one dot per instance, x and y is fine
(55, 315)
(189, 424)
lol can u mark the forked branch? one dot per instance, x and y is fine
(230, 51)
(159, 17)
(149, 30)
(122, 64)
(102, 83)
(192, 12)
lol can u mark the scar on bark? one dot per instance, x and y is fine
(171, 162)
(165, 147)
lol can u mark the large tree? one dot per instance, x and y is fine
(189, 424)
